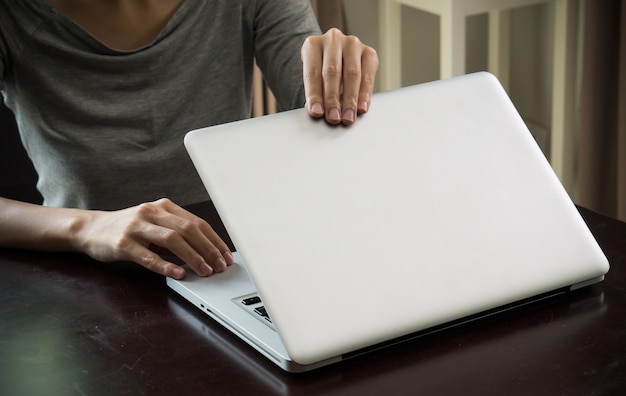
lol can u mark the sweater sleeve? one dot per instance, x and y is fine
(280, 28)
(3, 45)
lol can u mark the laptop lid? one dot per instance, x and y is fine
(435, 206)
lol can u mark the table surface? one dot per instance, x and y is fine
(70, 325)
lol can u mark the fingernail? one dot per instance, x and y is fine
(317, 109)
(228, 256)
(363, 107)
(178, 273)
(205, 269)
(334, 115)
(348, 115)
(220, 264)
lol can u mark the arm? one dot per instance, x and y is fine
(128, 234)
(338, 70)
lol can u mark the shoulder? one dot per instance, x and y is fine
(19, 19)
(23, 13)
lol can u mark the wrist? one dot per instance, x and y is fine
(30, 226)
(72, 233)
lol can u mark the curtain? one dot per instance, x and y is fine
(602, 148)
(329, 13)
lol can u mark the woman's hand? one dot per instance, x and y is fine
(132, 235)
(339, 73)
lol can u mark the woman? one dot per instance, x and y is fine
(104, 90)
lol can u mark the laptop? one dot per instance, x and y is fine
(476, 357)
(435, 208)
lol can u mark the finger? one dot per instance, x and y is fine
(185, 235)
(352, 49)
(332, 67)
(369, 67)
(311, 54)
(188, 233)
(152, 261)
(173, 241)
(196, 230)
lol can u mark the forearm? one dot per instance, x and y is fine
(28, 226)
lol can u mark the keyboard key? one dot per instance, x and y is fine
(261, 311)
(251, 300)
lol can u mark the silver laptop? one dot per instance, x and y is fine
(435, 208)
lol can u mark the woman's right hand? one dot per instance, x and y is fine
(131, 235)
(134, 234)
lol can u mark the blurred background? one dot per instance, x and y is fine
(563, 62)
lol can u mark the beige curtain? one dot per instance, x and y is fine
(602, 156)
(329, 13)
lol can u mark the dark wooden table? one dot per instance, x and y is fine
(72, 326)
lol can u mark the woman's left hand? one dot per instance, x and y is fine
(339, 73)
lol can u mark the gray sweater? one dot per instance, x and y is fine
(104, 128)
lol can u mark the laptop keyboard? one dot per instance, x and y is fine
(253, 304)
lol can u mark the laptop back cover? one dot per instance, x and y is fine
(436, 205)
